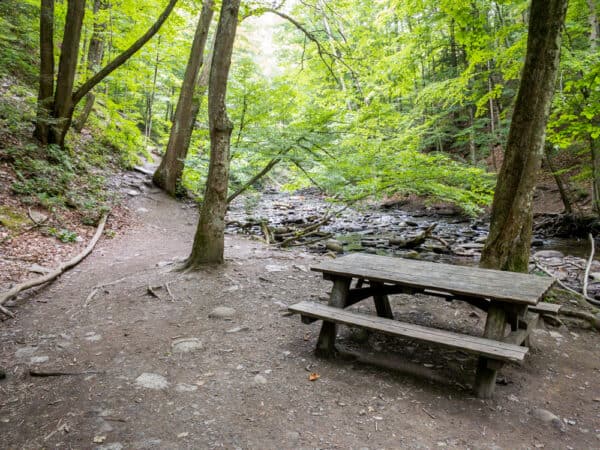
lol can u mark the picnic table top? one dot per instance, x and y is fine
(497, 285)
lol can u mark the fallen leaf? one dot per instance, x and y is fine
(99, 439)
(314, 376)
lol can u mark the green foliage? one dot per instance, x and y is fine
(63, 235)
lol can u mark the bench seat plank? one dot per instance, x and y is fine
(458, 280)
(485, 347)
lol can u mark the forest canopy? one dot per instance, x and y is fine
(358, 98)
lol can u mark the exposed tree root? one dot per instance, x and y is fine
(55, 273)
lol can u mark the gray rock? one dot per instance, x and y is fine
(111, 446)
(275, 268)
(133, 192)
(545, 416)
(25, 352)
(292, 435)
(222, 312)
(334, 245)
(36, 268)
(152, 381)
(549, 254)
(186, 345)
(236, 329)
(182, 387)
(259, 379)
(38, 359)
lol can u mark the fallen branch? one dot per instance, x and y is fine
(564, 286)
(55, 273)
(168, 288)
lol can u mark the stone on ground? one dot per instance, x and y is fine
(186, 345)
(152, 381)
(222, 312)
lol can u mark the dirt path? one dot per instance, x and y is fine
(165, 373)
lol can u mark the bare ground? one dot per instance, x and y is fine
(247, 385)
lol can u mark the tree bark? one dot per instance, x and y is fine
(209, 241)
(509, 240)
(46, 87)
(169, 171)
(63, 102)
(94, 59)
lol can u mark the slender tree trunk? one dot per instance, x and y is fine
(148, 132)
(209, 241)
(46, 87)
(69, 53)
(509, 240)
(94, 59)
(559, 182)
(169, 171)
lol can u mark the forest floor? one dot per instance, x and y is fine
(153, 360)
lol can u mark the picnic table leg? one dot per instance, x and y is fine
(485, 378)
(382, 303)
(338, 299)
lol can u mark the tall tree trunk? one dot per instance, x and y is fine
(69, 53)
(559, 182)
(509, 240)
(169, 171)
(209, 241)
(94, 59)
(46, 87)
(148, 132)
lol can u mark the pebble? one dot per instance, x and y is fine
(259, 379)
(549, 254)
(93, 337)
(186, 345)
(182, 387)
(555, 334)
(111, 446)
(292, 435)
(152, 381)
(222, 312)
(237, 329)
(38, 359)
(275, 268)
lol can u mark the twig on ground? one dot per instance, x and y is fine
(44, 373)
(168, 288)
(96, 288)
(152, 292)
(58, 271)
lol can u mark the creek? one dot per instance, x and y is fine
(370, 228)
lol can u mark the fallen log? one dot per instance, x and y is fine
(55, 273)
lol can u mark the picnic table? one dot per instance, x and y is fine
(510, 300)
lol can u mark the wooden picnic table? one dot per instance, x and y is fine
(508, 298)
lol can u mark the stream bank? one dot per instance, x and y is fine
(373, 228)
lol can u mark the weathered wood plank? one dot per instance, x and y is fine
(337, 299)
(458, 280)
(481, 346)
(546, 308)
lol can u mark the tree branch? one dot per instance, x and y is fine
(123, 57)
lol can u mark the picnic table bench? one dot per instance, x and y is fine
(508, 298)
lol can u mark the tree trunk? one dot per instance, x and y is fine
(508, 243)
(46, 88)
(559, 182)
(63, 102)
(169, 171)
(94, 59)
(209, 241)
(148, 131)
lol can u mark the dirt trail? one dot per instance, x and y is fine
(174, 373)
